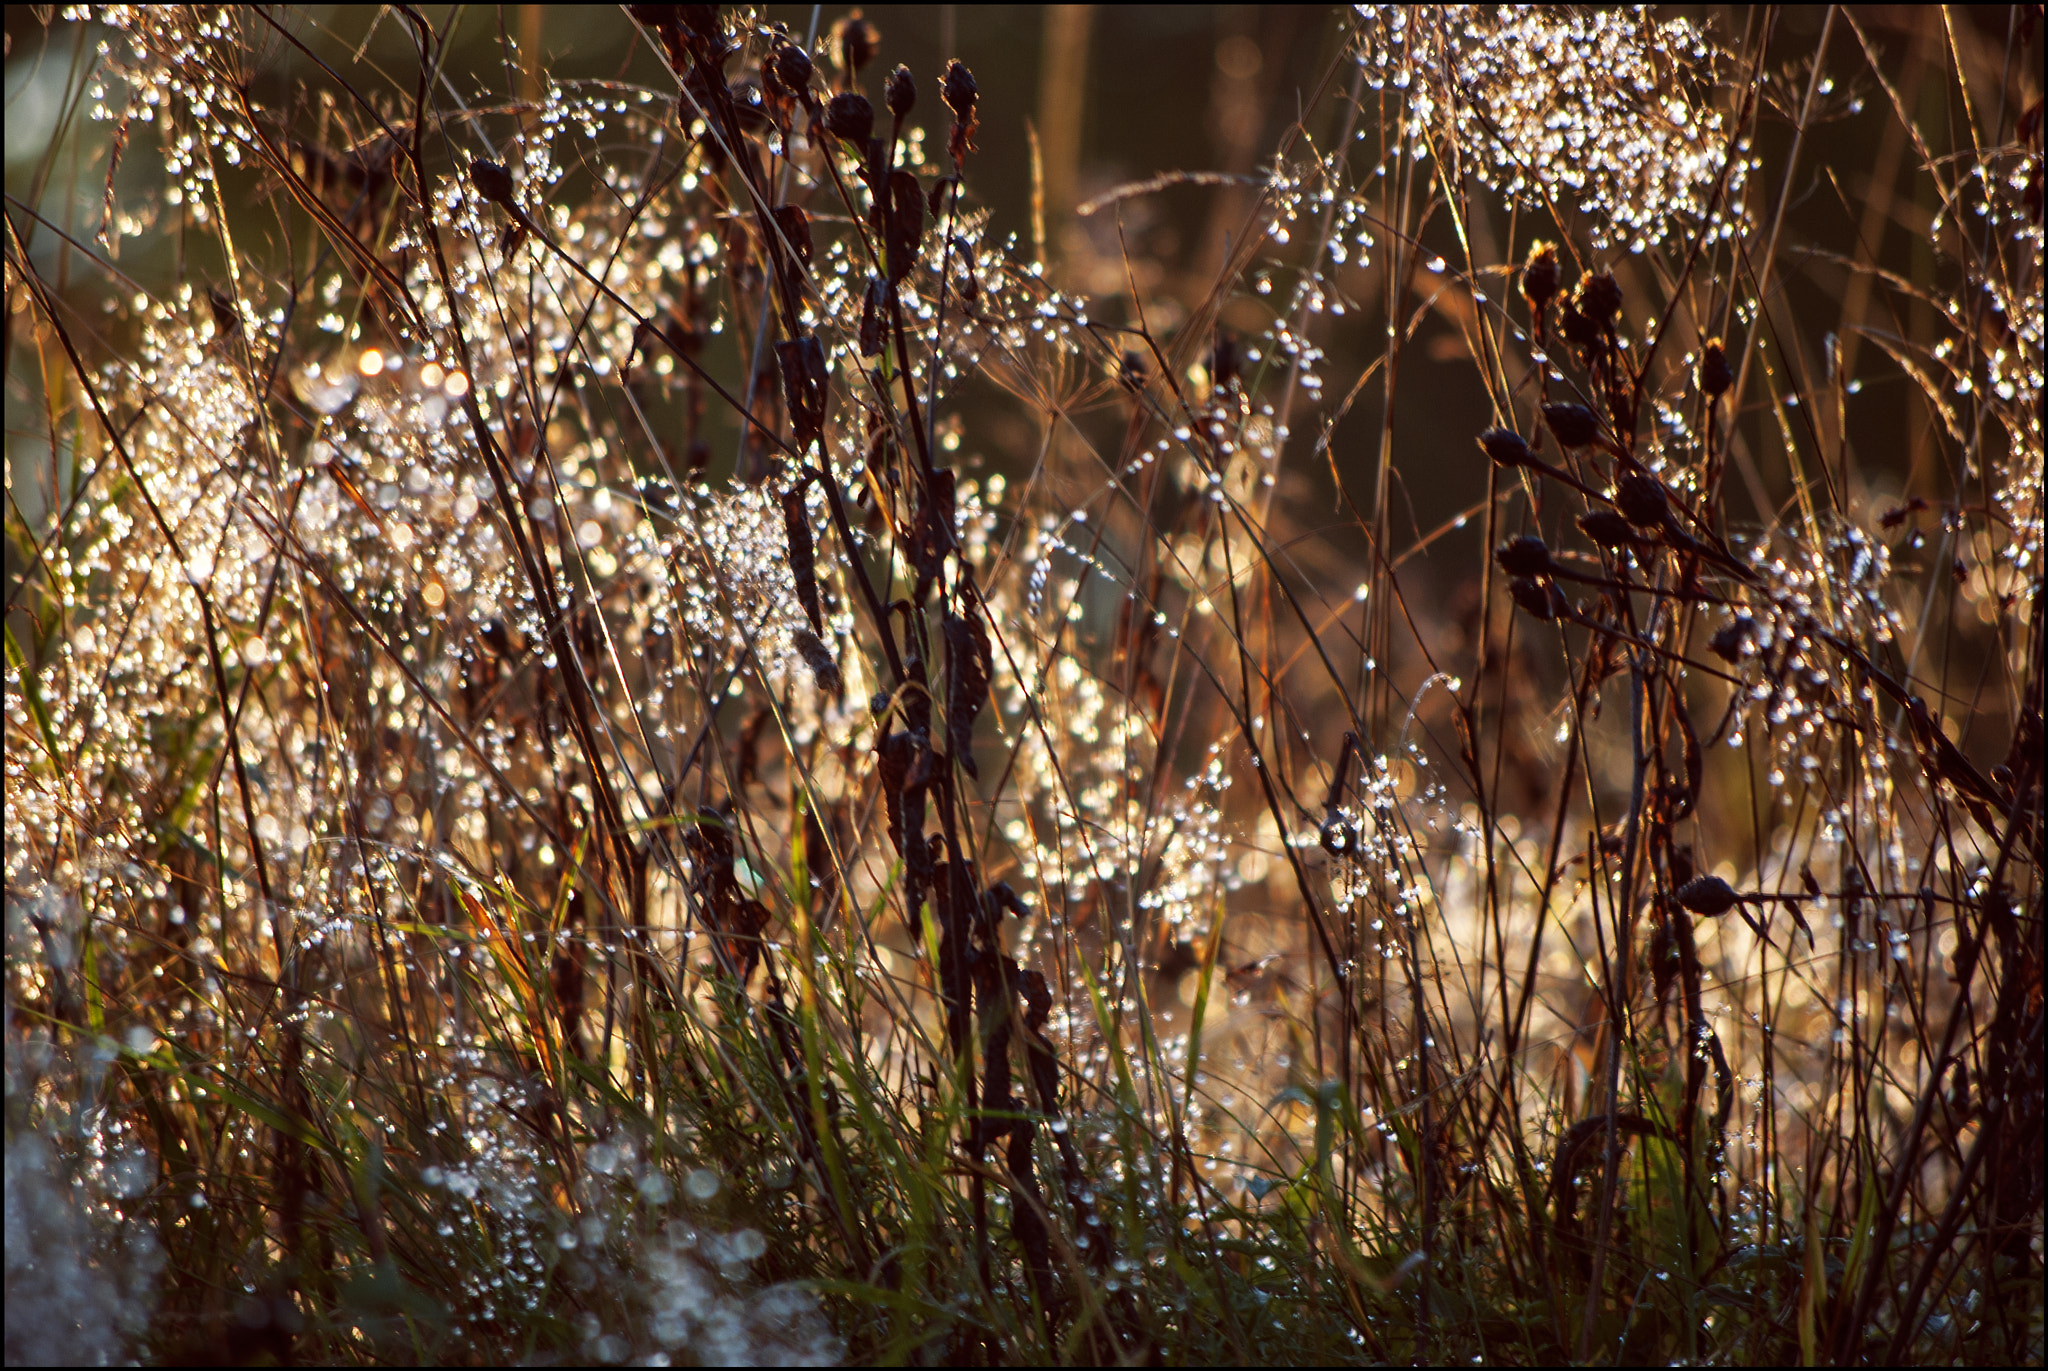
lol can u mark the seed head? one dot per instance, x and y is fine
(901, 92)
(855, 40)
(1606, 528)
(1642, 501)
(1505, 448)
(851, 118)
(1524, 556)
(959, 92)
(1541, 599)
(788, 71)
(804, 385)
(872, 305)
(1578, 330)
(1715, 375)
(1708, 895)
(492, 182)
(1541, 275)
(1574, 425)
(1599, 297)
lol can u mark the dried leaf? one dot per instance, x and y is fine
(904, 224)
(818, 657)
(796, 529)
(969, 664)
(803, 386)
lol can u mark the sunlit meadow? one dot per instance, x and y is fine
(638, 733)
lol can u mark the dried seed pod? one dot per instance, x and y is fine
(1708, 895)
(796, 228)
(787, 72)
(851, 118)
(1607, 528)
(1541, 275)
(856, 41)
(1504, 447)
(796, 528)
(969, 663)
(901, 93)
(1599, 297)
(1542, 599)
(1715, 373)
(1732, 638)
(818, 658)
(1642, 501)
(935, 530)
(492, 182)
(960, 94)
(1524, 556)
(959, 91)
(1578, 330)
(894, 753)
(1574, 425)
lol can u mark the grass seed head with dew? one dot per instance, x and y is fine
(1813, 597)
(1602, 109)
(1997, 350)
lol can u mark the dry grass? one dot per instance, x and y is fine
(556, 809)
